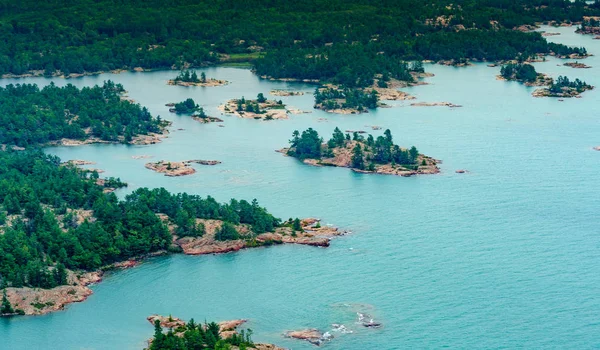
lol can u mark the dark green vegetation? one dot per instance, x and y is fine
(33, 116)
(344, 41)
(192, 336)
(190, 77)
(519, 71)
(366, 154)
(564, 83)
(355, 99)
(186, 107)
(40, 201)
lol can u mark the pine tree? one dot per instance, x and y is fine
(6, 307)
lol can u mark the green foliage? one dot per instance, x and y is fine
(227, 232)
(352, 98)
(520, 71)
(344, 41)
(5, 307)
(188, 76)
(296, 225)
(564, 82)
(37, 248)
(358, 161)
(186, 107)
(308, 145)
(261, 98)
(194, 336)
(32, 116)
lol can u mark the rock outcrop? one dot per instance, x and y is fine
(286, 93)
(178, 168)
(208, 82)
(38, 301)
(311, 335)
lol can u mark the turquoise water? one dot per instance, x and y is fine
(505, 256)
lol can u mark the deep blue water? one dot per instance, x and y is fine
(505, 256)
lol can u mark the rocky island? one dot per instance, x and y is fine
(189, 106)
(260, 108)
(524, 73)
(563, 87)
(286, 93)
(187, 78)
(178, 168)
(222, 335)
(378, 156)
(576, 65)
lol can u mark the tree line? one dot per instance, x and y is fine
(41, 236)
(345, 41)
(35, 116)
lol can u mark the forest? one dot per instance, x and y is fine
(344, 41)
(41, 236)
(32, 116)
(519, 71)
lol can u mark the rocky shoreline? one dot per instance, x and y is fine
(286, 93)
(269, 110)
(178, 168)
(565, 92)
(147, 139)
(577, 65)
(425, 165)
(208, 83)
(38, 301)
(227, 329)
(435, 104)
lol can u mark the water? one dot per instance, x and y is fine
(505, 256)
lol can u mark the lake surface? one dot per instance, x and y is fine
(505, 256)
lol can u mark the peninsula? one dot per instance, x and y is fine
(370, 155)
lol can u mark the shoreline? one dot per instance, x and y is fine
(39, 301)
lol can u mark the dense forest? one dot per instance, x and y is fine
(33, 116)
(42, 236)
(346, 41)
(194, 336)
(358, 99)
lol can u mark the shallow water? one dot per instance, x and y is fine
(503, 256)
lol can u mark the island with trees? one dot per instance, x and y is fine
(576, 64)
(71, 116)
(190, 78)
(524, 73)
(365, 155)
(181, 335)
(189, 106)
(563, 87)
(259, 108)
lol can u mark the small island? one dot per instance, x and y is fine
(187, 78)
(524, 73)
(210, 335)
(178, 168)
(286, 93)
(563, 87)
(260, 108)
(189, 106)
(577, 64)
(370, 155)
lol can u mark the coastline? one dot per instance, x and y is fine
(39, 301)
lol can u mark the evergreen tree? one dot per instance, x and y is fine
(6, 307)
